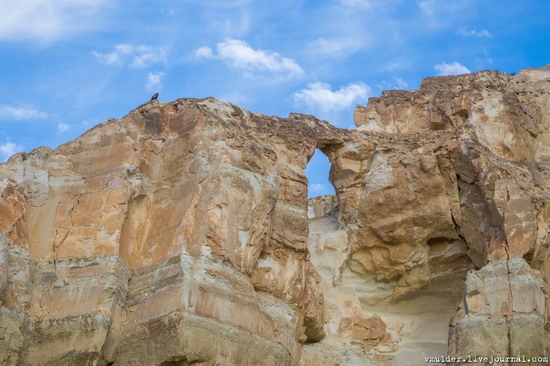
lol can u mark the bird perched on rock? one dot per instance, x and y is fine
(155, 96)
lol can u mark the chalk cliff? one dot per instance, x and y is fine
(182, 234)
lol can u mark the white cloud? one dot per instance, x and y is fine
(138, 57)
(112, 58)
(20, 113)
(487, 56)
(319, 95)
(465, 32)
(395, 65)
(145, 56)
(334, 47)
(8, 149)
(153, 80)
(323, 45)
(115, 57)
(234, 28)
(452, 68)
(48, 20)
(400, 83)
(62, 127)
(361, 4)
(427, 6)
(239, 55)
(316, 188)
(397, 83)
(203, 52)
(222, 4)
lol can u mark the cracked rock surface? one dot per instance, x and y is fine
(182, 234)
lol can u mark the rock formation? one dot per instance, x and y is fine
(182, 234)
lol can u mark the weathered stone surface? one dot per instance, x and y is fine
(413, 327)
(182, 234)
(321, 205)
(506, 299)
(195, 208)
(463, 187)
(451, 179)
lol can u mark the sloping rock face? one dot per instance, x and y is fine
(181, 234)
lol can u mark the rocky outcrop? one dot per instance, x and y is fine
(182, 234)
(463, 188)
(179, 225)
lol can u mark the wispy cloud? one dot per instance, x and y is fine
(320, 96)
(451, 68)
(48, 20)
(317, 188)
(146, 56)
(203, 52)
(63, 127)
(397, 83)
(222, 4)
(481, 33)
(154, 80)
(427, 6)
(396, 65)
(334, 47)
(114, 57)
(236, 26)
(8, 149)
(400, 83)
(361, 4)
(136, 56)
(20, 113)
(487, 56)
(241, 56)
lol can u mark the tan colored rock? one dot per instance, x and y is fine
(406, 330)
(451, 178)
(321, 205)
(490, 127)
(505, 301)
(179, 234)
(190, 198)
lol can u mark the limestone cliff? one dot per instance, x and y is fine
(182, 234)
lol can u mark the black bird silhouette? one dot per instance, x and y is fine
(155, 96)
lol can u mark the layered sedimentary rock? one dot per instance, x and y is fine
(180, 225)
(182, 234)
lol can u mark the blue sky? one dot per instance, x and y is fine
(67, 65)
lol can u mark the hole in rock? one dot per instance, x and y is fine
(529, 256)
(414, 306)
(317, 172)
(321, 198)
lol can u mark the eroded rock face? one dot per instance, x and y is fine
(502, 311)
(182, 234)
(452, 180)
(139, 240)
